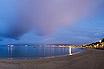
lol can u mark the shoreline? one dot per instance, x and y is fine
(89, 59)
(49, 57)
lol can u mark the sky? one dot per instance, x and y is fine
(73, 22)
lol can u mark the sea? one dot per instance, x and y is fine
(36, 52)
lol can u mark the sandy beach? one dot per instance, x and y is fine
(90, 59)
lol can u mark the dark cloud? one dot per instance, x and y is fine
(19, 17)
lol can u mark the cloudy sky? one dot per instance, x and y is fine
(51, 21)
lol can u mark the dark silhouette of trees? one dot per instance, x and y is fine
(102, 40)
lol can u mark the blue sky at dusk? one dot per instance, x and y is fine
(51, 21)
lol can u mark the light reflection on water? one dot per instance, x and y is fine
(24, 52)
(70, 51)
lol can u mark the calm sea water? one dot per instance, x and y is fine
(31, 52)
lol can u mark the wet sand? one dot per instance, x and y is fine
(90, 59)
